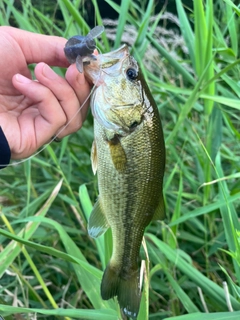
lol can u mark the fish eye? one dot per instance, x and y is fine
(132, 74)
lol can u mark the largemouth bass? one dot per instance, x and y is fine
(128, 154)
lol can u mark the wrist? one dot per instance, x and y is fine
(5, 153)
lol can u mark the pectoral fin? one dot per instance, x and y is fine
(97, 223)
(94, 157)
(160, 211)
(118, 155)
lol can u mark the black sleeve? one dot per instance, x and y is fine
(5, 153)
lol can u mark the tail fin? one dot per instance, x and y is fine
(126, 290)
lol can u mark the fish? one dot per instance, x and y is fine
(128, 154)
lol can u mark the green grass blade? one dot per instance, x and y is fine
(145, 277)
(201, 34)
(27, 167)
(203, 46)
(89, 282)
(236, 8)
(173, 62)
(186, 31)
(208, 286)
(76, 313)
(232, 27)
(47, 23)
(87, 209)
(100, 23)
(186, 108)
(73, 13)
(88, 276)
(19, 17)
(140, 43)
(209, 316)
(229, 215)
(122, 21)
(177, 212)
(183, 297)
(205, 209)
(48, 250)
(233, 103)
(103, 243)
(10, 252)
(208, 105)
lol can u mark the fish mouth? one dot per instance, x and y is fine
(123, 106)
(106, 60)
(109, 63)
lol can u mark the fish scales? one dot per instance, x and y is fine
(129, 156)
(129, 190)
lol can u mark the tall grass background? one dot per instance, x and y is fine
(49, 267)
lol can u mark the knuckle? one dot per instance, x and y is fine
(75, 126)
(61, 118)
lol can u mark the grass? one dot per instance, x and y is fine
(49, 266)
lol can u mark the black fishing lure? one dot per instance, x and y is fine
(78, 47)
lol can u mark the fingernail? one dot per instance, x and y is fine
(22, 79)
(49, 73)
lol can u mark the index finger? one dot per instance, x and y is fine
(38, 47)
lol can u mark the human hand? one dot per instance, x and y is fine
(31, 112)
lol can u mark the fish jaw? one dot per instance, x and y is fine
(105, 64)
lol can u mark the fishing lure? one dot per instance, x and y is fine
(78, 47)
